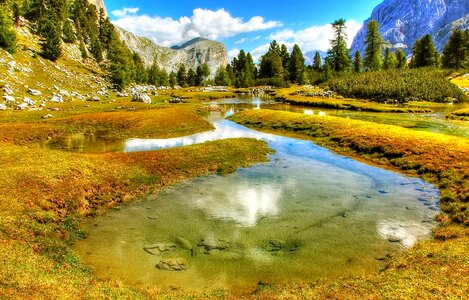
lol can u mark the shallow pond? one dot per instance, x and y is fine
(306, 214)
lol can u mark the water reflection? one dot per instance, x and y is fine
(244, 204)
(405, 233)
(223, 130)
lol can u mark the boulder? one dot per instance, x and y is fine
(172, 264)
(48, 116)
(120, 94)
(21, 106)
(34, 92)
(138, 97)
(94, 98)
(29, 101)
(3, 106)
(57, 99)
(8, 98)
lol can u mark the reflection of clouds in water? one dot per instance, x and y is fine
(242, 204)
(223, 130)
(407, 233)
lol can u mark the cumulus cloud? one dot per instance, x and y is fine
(311, 38)
(316, 37)
(232, 53)
(126, 11)
(203, 22)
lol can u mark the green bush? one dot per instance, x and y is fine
(401, 85)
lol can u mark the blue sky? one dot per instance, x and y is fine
(240, 24)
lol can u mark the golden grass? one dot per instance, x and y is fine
(460, 114)
(289, 95)
(161, 122)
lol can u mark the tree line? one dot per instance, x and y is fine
(77, 21)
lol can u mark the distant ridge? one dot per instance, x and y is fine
(404, 21)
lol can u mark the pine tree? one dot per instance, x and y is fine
(163, 79)
(390, 61)
(373, 41)
(7, 33)
(424, 53)
(202, 72)
(317, 63)
(173, 79)
(297, 65)
(191, 77)
(68, 32)
(122, 67)
(285, 56)
(221, 77)
(338, 54)
(153, 73)
(51, 47)
(140, 71)
(271, 66)
(456, 52)
(401, 59)
(182, 75)
(244, 69)
(357, 62)
(231, 74)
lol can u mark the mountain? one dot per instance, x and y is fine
(192, 53)
(404, 21)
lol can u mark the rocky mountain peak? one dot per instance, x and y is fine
(192, 53)
(404, 21)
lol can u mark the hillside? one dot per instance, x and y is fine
(404, 21)
(192, 53)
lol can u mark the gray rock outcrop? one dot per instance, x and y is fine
(192, 53)
(402, 22)
(137, 97)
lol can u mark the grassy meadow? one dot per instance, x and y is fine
(299, 96)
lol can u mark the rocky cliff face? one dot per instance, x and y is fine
(192, 54)
(404, 21)
(99, 5)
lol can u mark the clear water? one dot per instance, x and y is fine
(306, 214)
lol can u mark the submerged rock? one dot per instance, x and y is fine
(215, 244)
(160, 248)
(172, 264)
(185, 244)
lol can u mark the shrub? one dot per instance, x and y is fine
(401, 85)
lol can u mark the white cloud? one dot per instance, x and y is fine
(316, 37)
(232, 53)
(259, 51)
(203, 22)
(241, 41)
(312, 38)
(126, 11)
